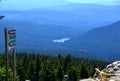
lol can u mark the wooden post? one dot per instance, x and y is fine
(14, 65)
(6, 52)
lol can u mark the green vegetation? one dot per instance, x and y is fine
(37, 67)
(109, 74)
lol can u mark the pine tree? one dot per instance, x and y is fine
(59, 72)
(21, 72)
(37, 70)
(83, 73)
(67, 63)
(72, 72)
(2, 74)
(47, 71)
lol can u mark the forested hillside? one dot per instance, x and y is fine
(38, 67)
(101, 42)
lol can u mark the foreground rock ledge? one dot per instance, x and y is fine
(113, 67)
(89, 79)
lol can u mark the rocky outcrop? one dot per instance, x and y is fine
(114, 67)
(113, 70)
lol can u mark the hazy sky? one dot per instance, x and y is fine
(46, 3)
(102, 2)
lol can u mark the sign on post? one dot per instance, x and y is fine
(11, 39)
(10, 44)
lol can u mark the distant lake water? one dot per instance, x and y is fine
(62, 40)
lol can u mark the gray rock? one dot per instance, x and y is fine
(114, 67)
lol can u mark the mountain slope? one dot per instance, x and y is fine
(103, 42)
(36, 37)
(100, 11)
(65, 21)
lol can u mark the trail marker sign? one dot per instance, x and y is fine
(11, 39)
(10, 44)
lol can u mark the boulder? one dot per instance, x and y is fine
(114, 67)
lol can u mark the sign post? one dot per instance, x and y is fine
(14, 65)
(6, 52)
(10, 44)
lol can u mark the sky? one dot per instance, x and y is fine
(26, 4)
(101, 2)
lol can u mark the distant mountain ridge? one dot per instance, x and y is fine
(71, 14)
(43, 25)
(103, 42)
